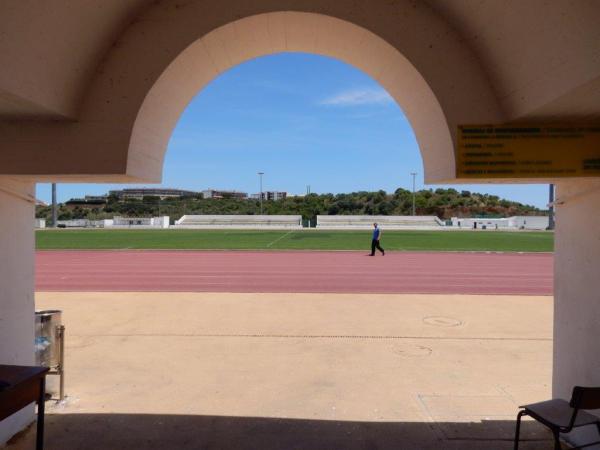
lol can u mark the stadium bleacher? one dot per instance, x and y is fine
(386, 222)
(240, 221)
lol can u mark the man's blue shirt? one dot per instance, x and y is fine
(376, 234)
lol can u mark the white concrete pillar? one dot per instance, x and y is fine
(16, 286)
(577, 290)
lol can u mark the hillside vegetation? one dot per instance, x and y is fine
(444, 203)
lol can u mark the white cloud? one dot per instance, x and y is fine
(357, 97)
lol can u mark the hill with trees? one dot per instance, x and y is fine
(444, 203)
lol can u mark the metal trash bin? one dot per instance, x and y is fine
(49, 343)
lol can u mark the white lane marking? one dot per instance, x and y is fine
(279, 238)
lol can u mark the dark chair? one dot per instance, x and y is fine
(562, 416)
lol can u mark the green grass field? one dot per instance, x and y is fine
(295, 240)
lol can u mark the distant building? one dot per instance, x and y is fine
(140, 193)
(96, 198)
(89, 202)
(270, 195)
(215, 193)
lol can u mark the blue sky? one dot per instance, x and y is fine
(302, 120)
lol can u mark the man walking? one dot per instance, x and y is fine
(375, 241)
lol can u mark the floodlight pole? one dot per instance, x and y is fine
(414, 174)
(260, 175)
(551, 207)
(54, 206)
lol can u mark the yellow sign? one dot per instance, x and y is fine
(519, 151)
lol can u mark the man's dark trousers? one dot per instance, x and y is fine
(375, 245)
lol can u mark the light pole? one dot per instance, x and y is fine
(54, 206)
(260, 174)
(414, 174)
(551, 207)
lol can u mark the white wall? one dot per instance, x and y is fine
(16, 286)
(242, 221)
(467, 222)
(161, 222)
(531, 222)
(386, 222)
(577, 292)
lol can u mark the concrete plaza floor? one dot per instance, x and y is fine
(298, 371)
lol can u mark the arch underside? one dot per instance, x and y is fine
(272, 33)
(164, 59)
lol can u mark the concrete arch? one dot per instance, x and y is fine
(269, 33)
(172, 50)
(84, 86)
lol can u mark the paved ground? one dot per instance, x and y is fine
(298, 371)
(250, 271)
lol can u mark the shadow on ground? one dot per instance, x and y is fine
(149, 431)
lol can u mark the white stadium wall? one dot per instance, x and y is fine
(507, 223)
(240, 221)
(385, 222)
(531, 222)
(117, 222)
(140, 222)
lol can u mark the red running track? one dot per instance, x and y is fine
(294, 271)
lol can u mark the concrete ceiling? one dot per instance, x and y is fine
(542, 57)
(93, 88)
(50, 50)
